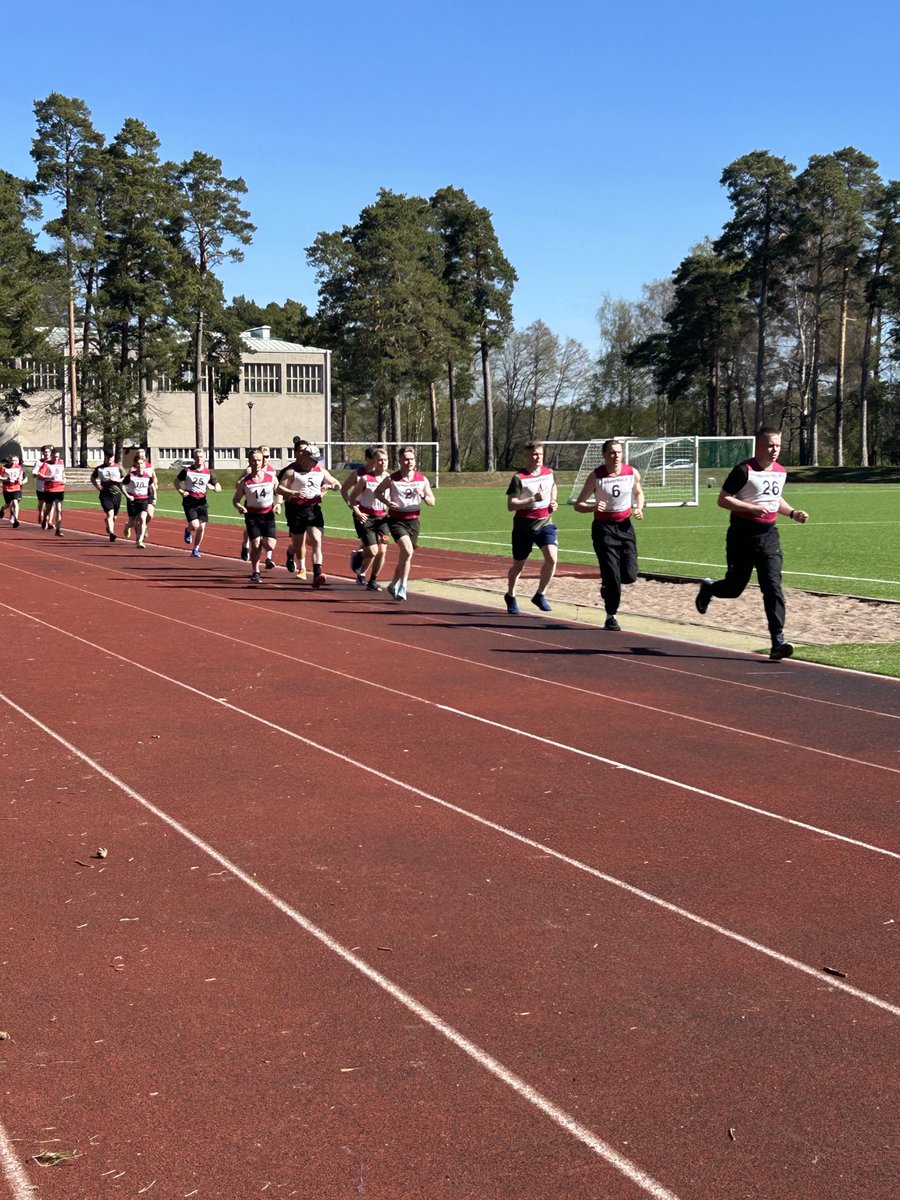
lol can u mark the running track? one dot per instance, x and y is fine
(418, 901)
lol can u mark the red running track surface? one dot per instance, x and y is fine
(421, 901)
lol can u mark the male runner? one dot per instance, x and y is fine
(46, 456)
(103, 478)
(753, 494)
(369, 517)
(256, 499)
(613, 493)
(245, 539)
(12, 476)
(405, 491)
(140, 488)
(53, 473)
(302, 484)
(531, 497)
(193, 483)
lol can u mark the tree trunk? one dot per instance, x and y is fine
(73, 384)
(454, 418)
(839, 374)
(85, 357)
(490, 461)
(435, 430)
(198, 377)
(396, 418)
(211, 410)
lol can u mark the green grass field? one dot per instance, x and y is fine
(851, 544)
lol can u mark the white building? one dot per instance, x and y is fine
(284, 389)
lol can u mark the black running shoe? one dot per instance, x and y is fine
(612, 624)
(704, 595)
(289, 562)
(245, 554)
(780, 650)
(270, 565)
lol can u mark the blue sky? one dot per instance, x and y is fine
(595, 133)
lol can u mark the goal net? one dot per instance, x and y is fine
(669, 468)
(345, 456)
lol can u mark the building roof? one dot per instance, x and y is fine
(260, 339)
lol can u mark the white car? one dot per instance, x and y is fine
(679, 464)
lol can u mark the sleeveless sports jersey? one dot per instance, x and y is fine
(406, 495)
(109, 474)
(259, 495)
(54, 476)
(749, 482)
(12, 478)
(137, 487)
(306, 486)
(524, 483)
(198, 480)
(617, 491)
(367, 501)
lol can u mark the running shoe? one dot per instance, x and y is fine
(139, 545)
(704, 595)
(780, 650)
(400, 593)
(245, 554)
(301, 572)
(612, 624)
(539, 600)
(392, 588)
(361, 578)
(15, 524)
(356, 559)
(187, 535)
(289, 562)
(320, 581)
(512, 605)
(43, 522)
(128, 531)
(255, 577)
(374, 586)
(195, 553)
(112, 537)
(270, 565)
(58, 532)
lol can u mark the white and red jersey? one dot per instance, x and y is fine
(259, 494)
(53, 475)
(405, 496)
(12, 478)
(616, 492)
(367, 501)
(533, 484)
(749, 482)
(306, 486)
(137, 484)
(197, 480)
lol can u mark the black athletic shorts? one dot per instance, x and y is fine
(11, 497)
(195, 509)
(135, 507)
(110, 500)
(373, 531)
(301, 517)
(259, 525)
(525, 537)
(53, 497)
(400, 528)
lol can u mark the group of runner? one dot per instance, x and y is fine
(387, 505)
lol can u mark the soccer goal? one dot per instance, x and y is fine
(345, 456)
(669, 468)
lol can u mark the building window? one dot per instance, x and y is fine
(305, 378)
(262, 377)
(43, 376)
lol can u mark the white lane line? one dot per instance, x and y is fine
(14, 1169)
(484, 1060)
(594, 693)
(486, 823)
(636, 661)
(692, 789)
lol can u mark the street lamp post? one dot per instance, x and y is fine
(250, 434)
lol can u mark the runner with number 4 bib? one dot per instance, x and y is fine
(255, 497)
(405, 491)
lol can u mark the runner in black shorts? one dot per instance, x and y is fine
(303, 484)
(369, 517)
(256, 498)
(12, 476)
(531, 497)
(405, 491)
(193, 483)
(110, 497)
